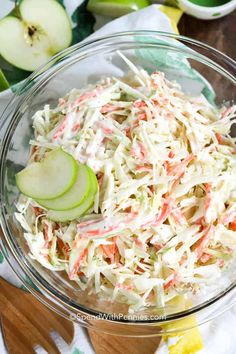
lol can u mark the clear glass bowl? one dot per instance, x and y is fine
(76, 67)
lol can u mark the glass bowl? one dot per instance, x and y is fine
(213, 75)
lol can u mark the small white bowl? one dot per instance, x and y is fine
(207, 12)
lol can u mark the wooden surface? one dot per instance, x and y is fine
(26, 322)
(218, 33)
(107, 344)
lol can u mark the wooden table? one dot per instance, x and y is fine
(219, 33)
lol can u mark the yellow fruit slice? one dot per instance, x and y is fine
(187, 341)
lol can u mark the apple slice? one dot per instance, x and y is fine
(41, 30)
(75, 213)
(74, 196)
(115, 8)
(50, 178)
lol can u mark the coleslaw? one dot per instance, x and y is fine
(164, 219)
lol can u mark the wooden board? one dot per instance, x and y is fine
(220, 33)
(107, 344)
(26, 322)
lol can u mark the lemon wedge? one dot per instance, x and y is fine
(183, 341)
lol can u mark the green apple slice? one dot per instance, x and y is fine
(42, 30)
(74, 196)
(115, 8)
(75, 213)
(50, 178)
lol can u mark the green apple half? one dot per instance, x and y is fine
(41, 30)
(116, 8)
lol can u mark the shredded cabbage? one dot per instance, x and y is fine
(164, 219)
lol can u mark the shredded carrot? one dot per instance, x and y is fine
(176, 182)
(228, 217)
(34, 150)
(45, 232)
(232, 225)
(37, 211)
(64, 247)
(61, 102)
(178, 169)
(166, 165)
(178, 216)
(125, 287)
(226, 112)
(219, 138)
(140, 153)
(109, 108)
(220, 263)
(205, 257)
(171, 282)
(165, 211)
(138, 242)
(144, 168)
(76, 127)
(139, 270)
(78, 263)
(171, 154)
(200, 221)
(208, 189)
(98, 232)
(110, 250)
(139, 104)
(159, 246)
(143, 151)
(106, 129)
(60, 129)
(127, 132)
(87, 96)
(142, 116)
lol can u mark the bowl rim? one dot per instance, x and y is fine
(209, 9)
(32, 273)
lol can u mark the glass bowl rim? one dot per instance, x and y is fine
(29, 270)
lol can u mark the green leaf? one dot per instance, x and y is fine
(4, 84)
(77, 351)
(12, 74)
(176, 67)
(61, 2)
(84, 20)
(1, 258)
(16, 11)
(30, 283)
